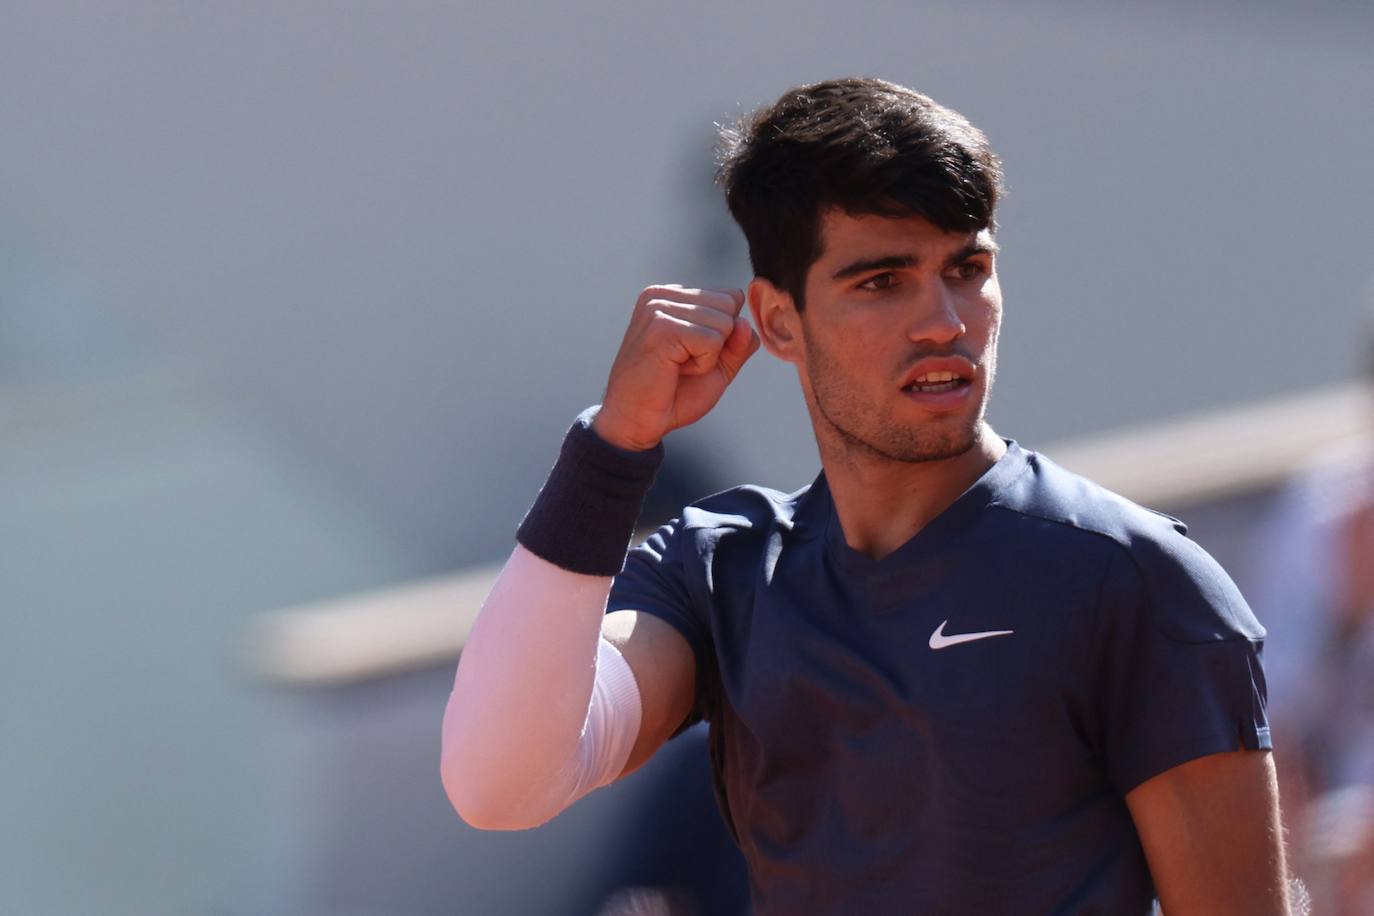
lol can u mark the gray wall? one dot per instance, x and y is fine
(296, 299)
(405, 237)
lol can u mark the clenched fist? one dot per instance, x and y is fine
(681, 350)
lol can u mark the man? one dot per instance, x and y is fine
(947, 678)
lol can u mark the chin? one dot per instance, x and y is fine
(914, 445)
(935, 449)
(896, 431)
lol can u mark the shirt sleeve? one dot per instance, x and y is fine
(658, 580)
(1181, 675)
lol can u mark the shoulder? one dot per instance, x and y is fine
(744, 508)
(1047, 491)
(715, 543)
(1151, 561)
(738, 517)
(736, 522)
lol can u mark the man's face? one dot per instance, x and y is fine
(899, 336)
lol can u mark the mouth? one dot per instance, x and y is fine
(942, 385)
(937, 383)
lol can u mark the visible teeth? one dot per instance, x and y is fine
(935, 377)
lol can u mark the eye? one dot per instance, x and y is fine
(880, 281)
(970, 270)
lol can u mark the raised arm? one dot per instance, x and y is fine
(543, 709)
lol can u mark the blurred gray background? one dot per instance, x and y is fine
(296, 300)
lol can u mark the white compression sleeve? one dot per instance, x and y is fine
(612, 723)
(543, 710)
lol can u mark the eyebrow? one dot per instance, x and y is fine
(896, 261)
(864, 265)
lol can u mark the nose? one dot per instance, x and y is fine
(935, 317)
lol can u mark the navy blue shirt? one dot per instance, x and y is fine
(869, 761)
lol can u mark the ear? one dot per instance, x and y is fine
(775, 316)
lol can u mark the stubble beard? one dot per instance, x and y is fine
(866, 429)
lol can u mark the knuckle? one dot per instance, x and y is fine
(661, 310)
(713, 339)
(661, 324)
(656, 291)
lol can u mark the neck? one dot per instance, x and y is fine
(883, 503)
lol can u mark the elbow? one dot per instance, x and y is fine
(472, 804)
(466, 794)
(468, 776)
(481, 805)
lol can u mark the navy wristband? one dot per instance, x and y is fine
(583, 518)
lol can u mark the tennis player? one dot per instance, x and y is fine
(948, 677)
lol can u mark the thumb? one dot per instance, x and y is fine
(742, 343)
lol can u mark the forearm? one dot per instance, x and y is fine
(514, 724)
(541, 711)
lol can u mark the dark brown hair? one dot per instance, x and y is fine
(863, 145)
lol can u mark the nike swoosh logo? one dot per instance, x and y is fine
(938, 639)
